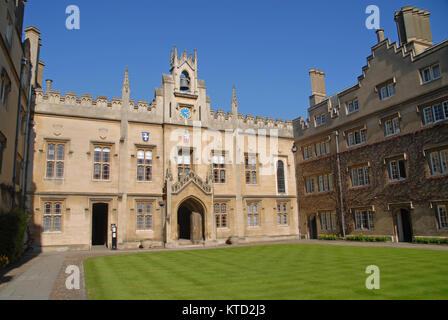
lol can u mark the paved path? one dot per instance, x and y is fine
(37, 281)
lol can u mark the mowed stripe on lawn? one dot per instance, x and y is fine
(290, 271)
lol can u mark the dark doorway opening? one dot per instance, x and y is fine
(313, 228)
(190, 221)
(99, 224)
(404, 226)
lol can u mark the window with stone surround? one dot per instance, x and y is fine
(325, 182)
(282, 213)
(327, 220)
(101, 162)
(386, 90)
(391, 126)
(250, 161)
(364, 219)
(220, 209)
(52, 216)
(360, 176)
(397, 168)
(322, 148)
(144, 215)
(307, 152)
(252, 214)
(144, 165)
(281, 185)
(431, 73)
(309, 185)
(55, 160)
(356, 137)
(438, 160)
(5, 87)
(442, 216)
(435, 113)
(2, 149)
(219, 167)
(352, 106)
(319, 120)
(184, 157)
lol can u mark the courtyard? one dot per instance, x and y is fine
(269, 272)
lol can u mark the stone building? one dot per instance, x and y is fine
(19, 73)
(373, 158)
(169, 172)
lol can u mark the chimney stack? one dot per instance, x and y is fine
(414, 30)
(33, 36)
(318, 93)
(380, 35)
(49, 82)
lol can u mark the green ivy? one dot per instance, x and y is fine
(12, 232)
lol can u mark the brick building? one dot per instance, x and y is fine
(373, 158)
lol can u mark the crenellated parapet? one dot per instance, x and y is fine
(222, 120)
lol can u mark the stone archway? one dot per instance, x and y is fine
(190, 220)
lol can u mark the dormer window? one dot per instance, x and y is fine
(387, 90)
(352, 106)
(430, 73)
(320, 119)
(184, 84)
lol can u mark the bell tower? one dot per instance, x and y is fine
(184, 69)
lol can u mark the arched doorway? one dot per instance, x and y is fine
(190, 220)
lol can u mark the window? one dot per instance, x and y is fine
(183, 163)
(360, 176)
(5, 88)
(52, 218)
(363, 219)
(101, 163)
(435, 113)
(387, 91)
(144, 165)
(9, 30)
(55, 160)
(327, 221)
(221, 215)
(282, 213)
(430, 73)
(281, 177)
(307, 153)
(309, 185)
(442, 216)
(219, 170)
(356, 137)
(439, 162)
(252, 215)
(2, 148)
(391, 126)
(251, 169)
(322, 148)
(397, 170)
(320, 119)
(325, 183)
(352, 106)
(144, 216)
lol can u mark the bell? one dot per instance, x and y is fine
(184, 84)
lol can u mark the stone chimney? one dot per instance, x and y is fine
(49, 82)
(380, 35)
(40, 74)
(33, 36)
(414, 30)
(318, 93)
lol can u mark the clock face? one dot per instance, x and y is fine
(185, 113)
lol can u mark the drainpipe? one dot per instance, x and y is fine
(336, 133)
(294, 151)
(16, 142)
(26, 141)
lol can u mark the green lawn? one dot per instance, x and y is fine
(269, 272)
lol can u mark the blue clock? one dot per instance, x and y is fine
(185, 113)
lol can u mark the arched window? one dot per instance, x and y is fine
(280, 177)
(184, 84)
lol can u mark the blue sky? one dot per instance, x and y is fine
(265, 48)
